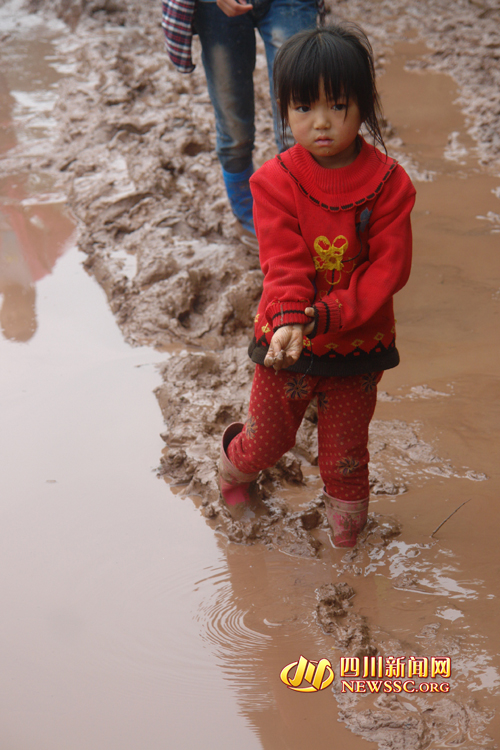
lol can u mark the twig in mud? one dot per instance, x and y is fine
(451, 514)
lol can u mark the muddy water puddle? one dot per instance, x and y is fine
(101, 647)
(132, 620)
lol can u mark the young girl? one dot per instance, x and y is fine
(332, 216)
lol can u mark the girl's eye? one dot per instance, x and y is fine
(339, 107)
(302, 108)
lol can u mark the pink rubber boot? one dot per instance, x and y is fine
(233, 483)
(346, 518)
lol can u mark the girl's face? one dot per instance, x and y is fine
(326, 129)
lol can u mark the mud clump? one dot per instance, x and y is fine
(349, 630)
(379, 532)
(270, 520)
(201, 394)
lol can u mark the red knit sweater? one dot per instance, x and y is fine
(338, 240)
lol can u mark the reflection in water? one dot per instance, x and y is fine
(32, 238)
(17, 314)
(33, 235)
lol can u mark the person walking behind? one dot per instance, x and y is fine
(227, 34)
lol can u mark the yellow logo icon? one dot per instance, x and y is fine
(317, 674)
(329, 255)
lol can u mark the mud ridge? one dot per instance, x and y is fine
(419, 724)
(394, 722)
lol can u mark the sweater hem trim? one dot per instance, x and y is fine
(348, 365)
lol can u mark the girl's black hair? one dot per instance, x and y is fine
(339, 55)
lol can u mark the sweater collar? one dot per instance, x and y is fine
(341, 188)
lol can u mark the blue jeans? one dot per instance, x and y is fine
(228, 55)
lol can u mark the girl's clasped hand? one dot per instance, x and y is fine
(287, 343)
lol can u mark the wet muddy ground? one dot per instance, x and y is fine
(135, 155)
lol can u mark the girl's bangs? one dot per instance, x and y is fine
(305, 84)
(333, 62)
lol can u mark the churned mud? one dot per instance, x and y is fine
(136, 153)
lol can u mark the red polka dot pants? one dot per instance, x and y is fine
(277, 406)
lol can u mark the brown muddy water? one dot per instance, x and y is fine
(130, 620)
(104, 639)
